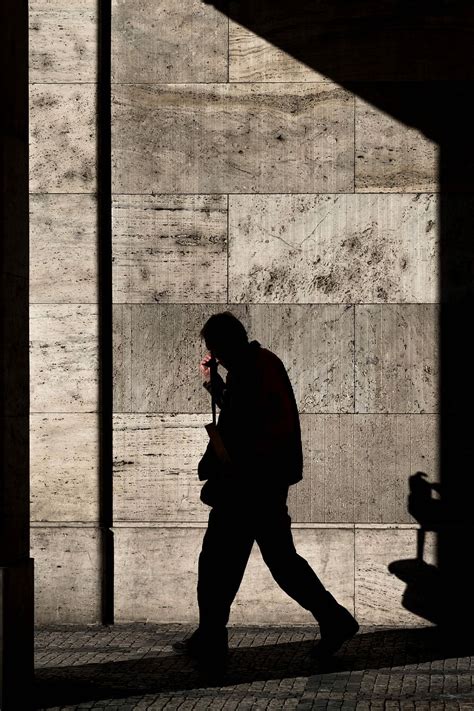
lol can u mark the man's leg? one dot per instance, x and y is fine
(290, 570)
(296, 577)
(225, 551)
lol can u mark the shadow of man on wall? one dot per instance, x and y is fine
(423, 592)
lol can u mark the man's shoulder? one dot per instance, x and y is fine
(270, 366)
(266, 366)
(269, 358)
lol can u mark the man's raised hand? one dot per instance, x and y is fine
(204, 368)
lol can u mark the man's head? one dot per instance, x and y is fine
(225, 336)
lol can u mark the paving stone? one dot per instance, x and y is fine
(381, 669)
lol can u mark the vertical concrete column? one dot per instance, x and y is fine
(65, 383)
(16, 567)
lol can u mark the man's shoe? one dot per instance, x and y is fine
(204, 645)
(189, 645)
(336, 629)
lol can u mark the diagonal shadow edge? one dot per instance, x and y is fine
(415, 64)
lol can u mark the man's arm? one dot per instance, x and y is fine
(220, 387)
(276, 412)
(265, 421)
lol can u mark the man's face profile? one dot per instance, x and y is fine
(217, 353)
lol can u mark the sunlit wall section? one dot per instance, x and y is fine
(244, 180)
(64, 420)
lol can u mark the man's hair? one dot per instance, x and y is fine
(224, 330)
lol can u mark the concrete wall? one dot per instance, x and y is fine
(244, 180)
(64, 310)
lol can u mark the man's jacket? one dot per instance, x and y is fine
(258, 420)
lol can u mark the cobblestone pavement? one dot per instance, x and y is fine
(134, 667)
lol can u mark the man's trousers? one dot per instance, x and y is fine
(227, 543)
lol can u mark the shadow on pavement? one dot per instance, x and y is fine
(61, 686)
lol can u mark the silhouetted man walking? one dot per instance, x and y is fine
(259, 425)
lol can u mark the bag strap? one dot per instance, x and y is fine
(213, 369)
(214, 434)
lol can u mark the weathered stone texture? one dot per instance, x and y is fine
(161, 344)
(388, 450)
(62, 138)
(356, 467)
(63, 40)
(168, 41)
(64, 456)
(155, 467)
(63, 249)
(169, 248)
(223, 138)
(325, 494)
(65, 425)
(152, 564)
(254, 59)
(64, 357)
(67, 574)
(379, 593)
(246, 180)
(363, 42)
(333, 248)
(396, 361)
(391, 156)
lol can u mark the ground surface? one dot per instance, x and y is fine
(134, 667)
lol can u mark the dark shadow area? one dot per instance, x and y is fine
(64, 686)
(413, 61)
(365, 40)
(16, 567)
(422, 595)
(104, 271)
(423, 592)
